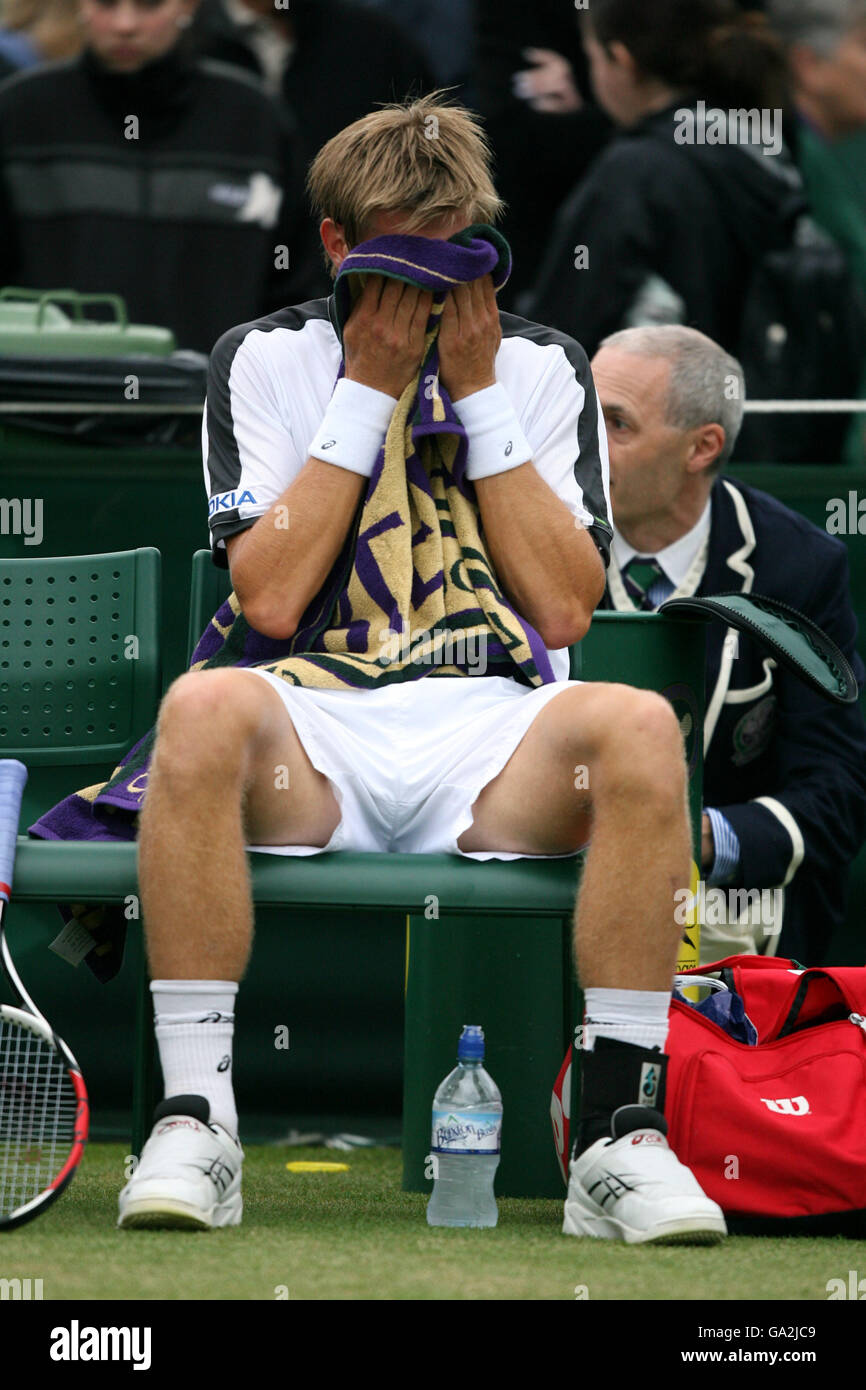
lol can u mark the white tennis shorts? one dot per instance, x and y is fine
(408, 761)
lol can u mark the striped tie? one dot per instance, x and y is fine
(639, 576)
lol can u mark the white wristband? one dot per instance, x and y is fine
(496, 439)
(353, 427)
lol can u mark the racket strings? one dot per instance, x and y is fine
(38, 1108)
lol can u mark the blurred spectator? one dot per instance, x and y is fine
(36, 31)
(672, 217)
(140, 170)
(329, 61)
(545, 129)
(825, 42)
(784, 769)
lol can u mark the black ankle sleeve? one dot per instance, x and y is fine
(613, 1075)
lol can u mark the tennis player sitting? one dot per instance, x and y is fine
(397, 474)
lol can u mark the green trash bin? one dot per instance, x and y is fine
(515, 976)
(33, 323)
(100, 440)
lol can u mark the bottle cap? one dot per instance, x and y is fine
(471, 1045)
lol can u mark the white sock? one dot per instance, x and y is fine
(194, 1024)
(638, 1016)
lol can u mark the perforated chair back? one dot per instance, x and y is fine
(80, 672)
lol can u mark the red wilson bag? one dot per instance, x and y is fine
(777, 1130)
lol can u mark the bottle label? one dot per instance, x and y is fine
(466, 1132)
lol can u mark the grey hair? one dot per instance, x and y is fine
(707, 385)
(820, 25)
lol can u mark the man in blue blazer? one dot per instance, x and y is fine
(784, 769)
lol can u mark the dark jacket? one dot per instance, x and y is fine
(181, 214)
(696, 216)
(768, 734)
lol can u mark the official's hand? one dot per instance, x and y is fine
(383, 340)
(708, 847)
(469, 338)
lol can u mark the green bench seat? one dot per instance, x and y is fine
(62, 871)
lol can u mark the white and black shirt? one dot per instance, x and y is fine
(270, 382)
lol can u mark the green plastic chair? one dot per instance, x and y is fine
(80, 670)
(209, 587)
(80, 682)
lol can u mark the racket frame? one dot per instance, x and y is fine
(28, 1016)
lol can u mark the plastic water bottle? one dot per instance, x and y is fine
(467, 1128)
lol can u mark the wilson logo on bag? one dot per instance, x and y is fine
(788, 1105)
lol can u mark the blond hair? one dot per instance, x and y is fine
(426, 157)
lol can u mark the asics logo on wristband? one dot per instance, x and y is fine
(328, 444)
(509, 446)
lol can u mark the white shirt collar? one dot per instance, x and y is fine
(677, 559)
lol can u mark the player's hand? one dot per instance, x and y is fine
(469, 338)
(383, 340)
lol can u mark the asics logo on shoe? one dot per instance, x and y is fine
(649, 1137)
(611, 1185)
(220, 1174)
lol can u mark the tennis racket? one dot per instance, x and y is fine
(44, 1111)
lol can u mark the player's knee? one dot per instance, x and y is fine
(643, 749)
(208, 714)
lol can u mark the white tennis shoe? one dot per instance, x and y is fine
(634, 1188)
(189, 1173)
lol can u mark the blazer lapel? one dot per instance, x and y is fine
(732, 541)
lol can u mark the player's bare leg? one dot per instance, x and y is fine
(228, 770)
(625, 1182)
(629, 744)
